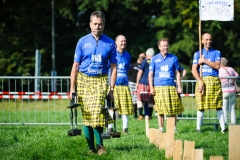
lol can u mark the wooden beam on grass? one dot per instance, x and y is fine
(169, 138)
(152, 136)
(216, 157)
(147, 126)
(234, 141)
(197, 154)
(188, 147)
(161, 142)
(178, 150)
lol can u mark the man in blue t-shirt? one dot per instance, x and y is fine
(208, 91)
(162, 70)
(90, 71)
(122, 95)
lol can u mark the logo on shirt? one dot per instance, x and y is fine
(87, 45)
(164, 68)
(97, 58)
(121, 66)
(157, 60)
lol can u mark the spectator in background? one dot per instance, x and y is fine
(132, 77)
(182, 71)
(228, 89)
(164, 67)
(143, 88)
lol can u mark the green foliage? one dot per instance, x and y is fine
(26, 26)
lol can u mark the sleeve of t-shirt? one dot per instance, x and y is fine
(113, 54)
(195, 58)
(152, 66)
(176, 64)
(78, 52)
(218, 56)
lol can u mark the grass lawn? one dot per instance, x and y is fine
(51, 142)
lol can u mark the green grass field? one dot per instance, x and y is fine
(52, 142)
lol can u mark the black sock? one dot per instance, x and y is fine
(140, 110)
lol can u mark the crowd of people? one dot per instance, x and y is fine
(102, 67)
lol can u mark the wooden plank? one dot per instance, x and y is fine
(216, 157)
(169, 138)
(152, 135)
(161, 144)
(234, 142)
(197, 154)
(178, 150)
(157, 134)
(147, 126)
(188, 147)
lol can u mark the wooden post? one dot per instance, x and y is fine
(147, 126)
(178, 150)
(152, 136)
(188, 147)
(234, 141)
(216, 157)
(169, 139)
(161, 143)
(157, 137)
(197, 154)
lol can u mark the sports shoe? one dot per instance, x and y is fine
(224, 131)
(101, 150)
(109, 130)
(125, 131)
(161, 129)
(140, 117)
(91, 152)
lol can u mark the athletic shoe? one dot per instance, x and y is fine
(101, 150)
(109, 130)
(125, 131)
(140, 117)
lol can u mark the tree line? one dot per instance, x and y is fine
(27, 25)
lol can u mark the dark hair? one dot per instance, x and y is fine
(98, 14)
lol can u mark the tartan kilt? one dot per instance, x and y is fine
(167, 100)
(92, 93)
(123, 100)
(212, 96)
(132, 86)
(144, 97)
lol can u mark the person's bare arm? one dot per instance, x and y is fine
(197, 77)
(178, 79)
(73, 77)
(139, 75)
(150, 82)
(113, 74)
(184, 73)
(215, 65)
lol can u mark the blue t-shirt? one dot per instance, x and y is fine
(123, 65)
(145, 68)
(164, 69)
(181, 68)
(93, 56)
(213, 56)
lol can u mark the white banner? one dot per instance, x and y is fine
(219, 10)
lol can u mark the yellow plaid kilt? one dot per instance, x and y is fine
(92, 93)
(123, 100)
(167, 100)
(212, 96)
